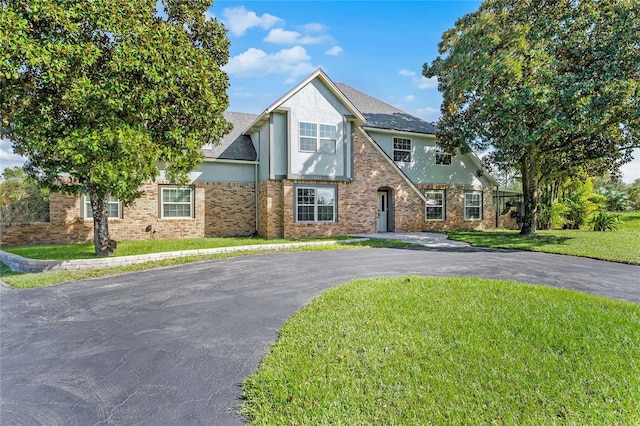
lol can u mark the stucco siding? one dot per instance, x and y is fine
(314, 103)
(423, 168)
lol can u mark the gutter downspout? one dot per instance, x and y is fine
(255, 185)
(497, 206)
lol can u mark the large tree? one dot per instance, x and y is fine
(548, 85)
(97, 94)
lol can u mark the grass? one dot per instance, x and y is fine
(415, 350)
(33, 280)
(622, 245)
(135, 247)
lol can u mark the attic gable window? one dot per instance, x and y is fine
(316, 137)
(402, 150)
(443, 159)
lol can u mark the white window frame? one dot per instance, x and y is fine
(403, 151)
(87, 214)
(441, 155)
(315, 204)
(190, 203)
(469, 205)
(442, 204)
(319, 138)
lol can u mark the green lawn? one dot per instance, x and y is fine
(418, 351)
(622, 245)
(134, 247)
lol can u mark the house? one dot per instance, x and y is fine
(323, 160)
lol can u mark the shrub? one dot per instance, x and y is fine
(603, 221)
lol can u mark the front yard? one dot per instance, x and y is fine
(622, 245)
(415, 350)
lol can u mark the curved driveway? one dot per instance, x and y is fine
(171, 346)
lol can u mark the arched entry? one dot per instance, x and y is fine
(384, 216)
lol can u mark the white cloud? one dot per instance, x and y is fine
(7, 157)
(409, 98)
(313, 27)
(281, 36)
(631, 170)
(426, 83)
(334, 51)
(419, 82)
(429, 114)
(238, 20)
(293, 62)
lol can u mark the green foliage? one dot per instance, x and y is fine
(102, 97)
(603, 221)
(554, 216)
(462, 351)
(21, 199)
(617, 201)
(549, 86)
(581, 203)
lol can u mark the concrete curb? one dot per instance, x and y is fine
(23, 264)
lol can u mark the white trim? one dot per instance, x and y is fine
(399, 132)
(481, 206)
(443, 205)
(84, 200)
(318, 138)
(191, 201)
(298, 187)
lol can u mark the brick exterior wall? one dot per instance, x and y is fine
(221, 209)
(454, 207)
(358, 200)
(270, 209)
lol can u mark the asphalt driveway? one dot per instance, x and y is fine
(171, 346)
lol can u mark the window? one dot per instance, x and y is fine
(114, 208)
(473, 205)
(176, 202)
(318, 137)
(435, 205)
(316, 204)
(443, 159)
(402, 149)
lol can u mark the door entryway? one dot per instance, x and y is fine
(383, 211)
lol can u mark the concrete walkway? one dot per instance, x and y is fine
(172, 346)
(427, 239)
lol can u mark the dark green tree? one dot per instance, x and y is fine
(21, 199)
(551, 86)
(97, 94)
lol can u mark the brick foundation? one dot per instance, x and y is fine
(221, 209)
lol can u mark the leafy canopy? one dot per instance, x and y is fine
(100, 93)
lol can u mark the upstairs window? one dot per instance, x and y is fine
(473, 205)
(316, 137)
(443, 159)
(402, 150)
(435, 205)
(316, 204)
(114, 208)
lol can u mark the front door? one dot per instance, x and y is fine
(383, 210)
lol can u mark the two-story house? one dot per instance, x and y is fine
(323, 160)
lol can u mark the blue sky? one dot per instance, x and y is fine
(377, 47)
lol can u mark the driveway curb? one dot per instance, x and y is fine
(23, 264)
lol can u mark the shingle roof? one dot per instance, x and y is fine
(381, 115)
(235, 145)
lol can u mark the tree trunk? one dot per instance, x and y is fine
(529, 168)
(104, 246)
